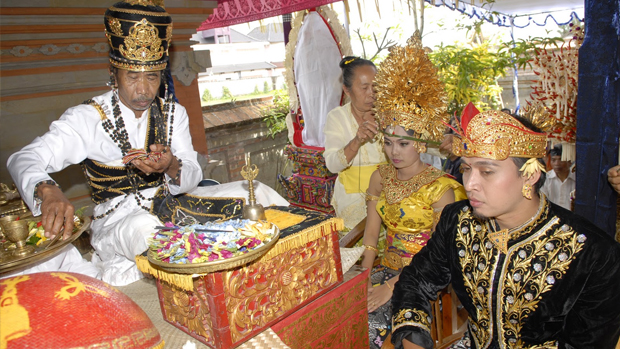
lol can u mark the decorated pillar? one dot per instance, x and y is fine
(598, 113)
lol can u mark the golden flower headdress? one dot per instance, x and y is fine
(409, 93)
(496, 135)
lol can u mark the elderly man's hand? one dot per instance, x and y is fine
(167, 163)
(613, 175)
(56, 211)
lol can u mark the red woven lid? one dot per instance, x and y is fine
(68, 310)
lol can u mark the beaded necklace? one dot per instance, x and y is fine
(118, 133)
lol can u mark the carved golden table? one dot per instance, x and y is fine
(224, 309)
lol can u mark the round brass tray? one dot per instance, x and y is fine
(218, 265)
(9, 263)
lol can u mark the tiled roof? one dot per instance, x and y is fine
(272, 32)
(220, 115)
(238, 37)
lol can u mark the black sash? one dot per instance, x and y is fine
(177, 209)
(107, 182)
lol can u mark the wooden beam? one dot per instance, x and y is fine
(52, 93)
(50, 70)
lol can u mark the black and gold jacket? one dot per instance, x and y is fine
(558, 285)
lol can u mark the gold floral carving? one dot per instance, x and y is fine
(189, 309)
(411, 317)
(115, 26)
(268, 288)
(316, 323)
(478, 263)
(532, 268)
(142, 43)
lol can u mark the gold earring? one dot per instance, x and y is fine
(527, 191)
(419, 147)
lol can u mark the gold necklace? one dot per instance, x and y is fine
(501, 237)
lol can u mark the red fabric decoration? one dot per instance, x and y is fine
(232, 12)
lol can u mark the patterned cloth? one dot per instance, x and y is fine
(380, 320)
(405, 207)
(463, 343)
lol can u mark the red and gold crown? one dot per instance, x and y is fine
(409, 93)
(496, 135)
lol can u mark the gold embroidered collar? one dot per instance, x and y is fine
(501, 238)
(396, 190)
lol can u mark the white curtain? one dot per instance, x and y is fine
(317, 76)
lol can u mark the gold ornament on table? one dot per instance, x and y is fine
(11, 202)
(17, 232)
(252, 210)
(5, 220)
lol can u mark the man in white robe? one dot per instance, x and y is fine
(100, 133)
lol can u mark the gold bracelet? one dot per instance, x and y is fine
(372, 248)
(370, 197)
(389, 286)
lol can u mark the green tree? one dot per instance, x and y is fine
(266, 88)
(256, 90)
(470, 75)
(274, 115)
(206, 96)
(226, 93)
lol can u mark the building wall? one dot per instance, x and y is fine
(526, 78)
(54, 55)
(228, 146)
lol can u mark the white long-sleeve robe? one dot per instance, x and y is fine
(78, 135)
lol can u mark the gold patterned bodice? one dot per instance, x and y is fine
(405, 207)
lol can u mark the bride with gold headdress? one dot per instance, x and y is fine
(406, 194)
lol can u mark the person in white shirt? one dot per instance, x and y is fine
(351, 149)
(560, 181)
(100, 133)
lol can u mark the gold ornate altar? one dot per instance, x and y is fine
(11, 203)
(224, 309)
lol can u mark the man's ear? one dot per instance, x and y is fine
(533, 179)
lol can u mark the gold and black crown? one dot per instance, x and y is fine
(139, 33)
